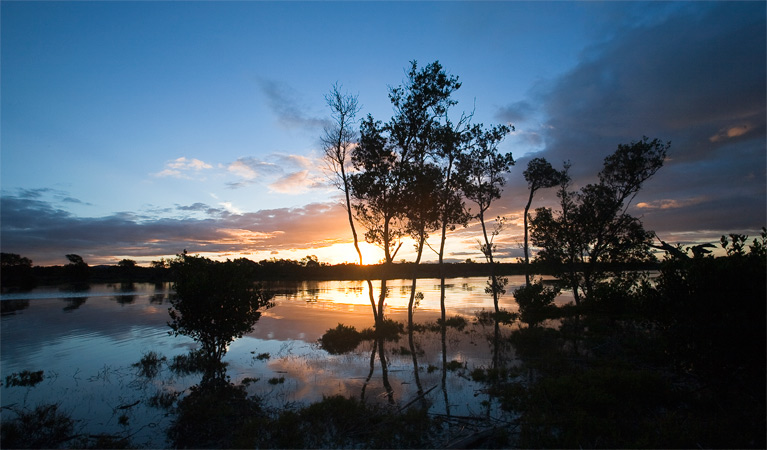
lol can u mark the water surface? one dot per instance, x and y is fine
(86, 341)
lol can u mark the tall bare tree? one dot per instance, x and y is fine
(338, 140)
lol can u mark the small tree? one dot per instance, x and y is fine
(592, 234)
(16, 270)
(481, 169)
(77, 269)
(214, 303)
(539, 175)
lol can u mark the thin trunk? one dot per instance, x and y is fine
(385, 371)
(372, 369)
(527, 251)
(488, 251)
(356, 238)
(410, 304)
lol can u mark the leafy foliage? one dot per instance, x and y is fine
(214, 302)
(535, 301)
(593, 233)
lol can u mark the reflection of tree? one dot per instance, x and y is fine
(443, 334)
(125, 298)
(211, 415)
(8, 307)
(74, 303)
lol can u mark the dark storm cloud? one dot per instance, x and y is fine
(698, 80)
(515, 112)
(38, 230)
(282, 101)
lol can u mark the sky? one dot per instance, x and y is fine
(140, 129)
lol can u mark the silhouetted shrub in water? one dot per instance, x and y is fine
(387, 329)
(339, 340)
(149, 365)
(43, 427)
(536, 301)
(457, 322)
(163, 399)
(24, 378)
(214, 302)
(196, 361)
(490, 317)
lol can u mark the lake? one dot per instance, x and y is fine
(86, 342)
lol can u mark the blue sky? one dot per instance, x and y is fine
(138, 129)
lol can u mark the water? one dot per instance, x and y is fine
(86, 341)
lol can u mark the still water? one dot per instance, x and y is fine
(86, 342)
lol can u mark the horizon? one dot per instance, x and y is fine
(138, 130)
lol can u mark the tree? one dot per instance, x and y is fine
(77, 269)
(16, 270)
(377, 189)
(481, 169)
(539, 175)
(214, 302)
(593, 234)
(337, 142)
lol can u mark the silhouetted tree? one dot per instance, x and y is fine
(214, 302)
(539, 175)
(378, 189)
(481, 170)
(337, 142)
(592, 232)
(77, 269)
(16, 271)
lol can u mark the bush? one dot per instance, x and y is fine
(339, 340)
(536, 301)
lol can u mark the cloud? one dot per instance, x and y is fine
(39, 230)
(281, 99)
(519, 111)
(670, 203)
(695, 78)
(183, 168)
(298, 183)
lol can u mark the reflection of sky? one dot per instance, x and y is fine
(86, 343)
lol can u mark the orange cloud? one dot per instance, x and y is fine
(730, 132)
(670, 203)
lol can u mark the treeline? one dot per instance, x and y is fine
(18, 273)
